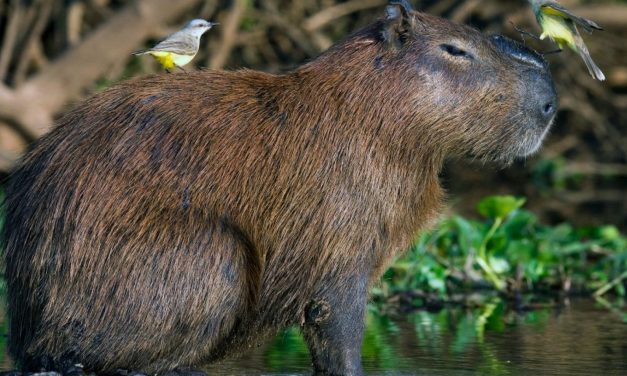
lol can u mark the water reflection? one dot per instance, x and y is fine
(583, 338)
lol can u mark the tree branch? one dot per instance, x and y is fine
(229, 35)
(34, 104)
(330, 14)
(10, 37)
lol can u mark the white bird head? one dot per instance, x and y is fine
(198, 27)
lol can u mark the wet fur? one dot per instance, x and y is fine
(171, 220)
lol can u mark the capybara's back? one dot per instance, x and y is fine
(172, 219)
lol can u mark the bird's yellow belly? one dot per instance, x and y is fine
(169, 60)
(557, 30)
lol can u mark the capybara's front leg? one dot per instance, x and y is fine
(333, 327)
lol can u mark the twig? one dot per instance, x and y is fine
(229, 35)
(440, 7)
(33, 39)
(74, 22)
(10, 37)
(327, 15)
(594, 195)
(294, 32)
(611, 285)
(591, 168)
(38, 56)
(465, 10)
(561, 146)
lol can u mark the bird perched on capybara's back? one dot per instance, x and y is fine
(170, 221)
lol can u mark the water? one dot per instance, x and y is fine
(579, 338)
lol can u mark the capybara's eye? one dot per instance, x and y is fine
(456, 51)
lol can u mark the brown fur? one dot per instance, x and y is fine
(170, 219)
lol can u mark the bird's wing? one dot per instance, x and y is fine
(556, 9)
(178, 43)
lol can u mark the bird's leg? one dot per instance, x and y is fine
(168, 70)
(552, 52)
(524, 32)
(181, 68)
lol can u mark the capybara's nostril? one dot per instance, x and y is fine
(549, 109)
(546, 105)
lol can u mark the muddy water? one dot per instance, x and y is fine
(580, 338)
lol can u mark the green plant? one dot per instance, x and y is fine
(510, 252)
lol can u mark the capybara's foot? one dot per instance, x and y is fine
(333, 325)
(74, 370)
(125, 372)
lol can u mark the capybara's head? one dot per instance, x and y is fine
(486, 97)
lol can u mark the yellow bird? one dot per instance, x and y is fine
(560, 25)
(179, 48)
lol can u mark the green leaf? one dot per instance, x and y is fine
(520, 225)
(499, 206)
(469, 235)
(608, 233)
(521, 250)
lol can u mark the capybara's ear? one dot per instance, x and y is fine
(397, 23)
(404, 4)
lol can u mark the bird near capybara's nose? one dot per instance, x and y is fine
(172, 220)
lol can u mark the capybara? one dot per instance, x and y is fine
(172, 220)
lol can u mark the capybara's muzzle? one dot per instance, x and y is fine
(539, 98)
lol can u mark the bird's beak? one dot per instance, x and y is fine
(213, 23)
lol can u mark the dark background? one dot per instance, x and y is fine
(55, 52)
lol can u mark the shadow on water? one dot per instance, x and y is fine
(580, 338)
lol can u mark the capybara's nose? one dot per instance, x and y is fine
(539, 96)
(539, 91)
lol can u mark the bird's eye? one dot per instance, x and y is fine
(456, 51)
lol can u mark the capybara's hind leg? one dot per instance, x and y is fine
(334, 324)
(179, 301)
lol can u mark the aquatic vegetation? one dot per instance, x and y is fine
(509, 253)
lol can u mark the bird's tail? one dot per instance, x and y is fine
(140, 52)
(594, 69)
